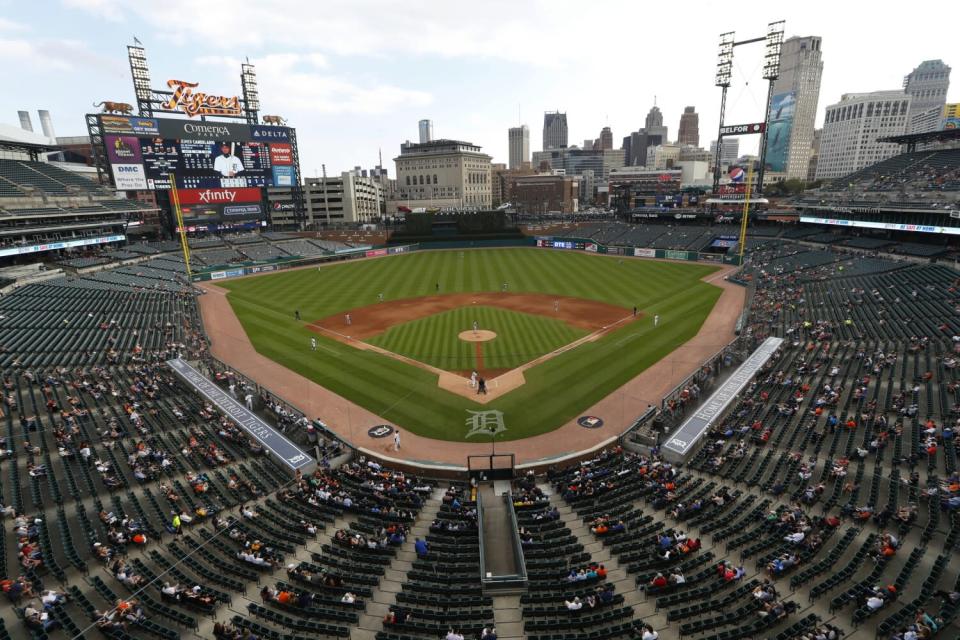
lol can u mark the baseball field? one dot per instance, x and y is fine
(384, 328)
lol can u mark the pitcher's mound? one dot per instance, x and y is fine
(480, 335)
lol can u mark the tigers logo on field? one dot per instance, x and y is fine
(380, 431)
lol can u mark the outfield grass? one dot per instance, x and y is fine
(556, 391)
(521, 337)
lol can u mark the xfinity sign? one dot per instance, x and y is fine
(225, 195)
(743, 129)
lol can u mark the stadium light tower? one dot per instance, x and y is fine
(773, 42)
(251, 97)
(140, 73)
(724, 73)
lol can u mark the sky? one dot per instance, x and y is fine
(355, 76)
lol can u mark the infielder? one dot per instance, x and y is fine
(313, 344)
(348, 319)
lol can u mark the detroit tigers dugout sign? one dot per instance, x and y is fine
(682, 441)
(273, 441)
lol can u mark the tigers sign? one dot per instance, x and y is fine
(196, 103)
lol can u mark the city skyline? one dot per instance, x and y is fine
(352, 88)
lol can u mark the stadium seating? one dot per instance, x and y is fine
(845, 437)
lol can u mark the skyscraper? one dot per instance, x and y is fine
(554, 130)
(606, 139)
(852, 126)
(793, 110)
(519, 142)
(426, 131)
(927, 87)
(689, 132)
(729, 152)
(654, 117)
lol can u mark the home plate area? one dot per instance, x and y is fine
(496, 335)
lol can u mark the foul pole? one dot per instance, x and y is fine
(746, 211)
(184, 245)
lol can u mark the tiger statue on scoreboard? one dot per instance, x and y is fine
(115, 107)
(277, 120)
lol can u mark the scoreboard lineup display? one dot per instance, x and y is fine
(193, 162)
(144, 152)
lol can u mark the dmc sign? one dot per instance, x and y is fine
(198, 103)
(743, 129)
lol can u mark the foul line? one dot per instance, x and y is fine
(627, 339)
(390, 408)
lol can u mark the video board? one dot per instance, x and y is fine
(219, 167)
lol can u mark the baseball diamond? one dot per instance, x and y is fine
(555, 299)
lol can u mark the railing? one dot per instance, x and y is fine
(509, 581)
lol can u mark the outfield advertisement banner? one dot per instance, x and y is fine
(678, 255)
(66, 244)
(645, 253)
(889, 226)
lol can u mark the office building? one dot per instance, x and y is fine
(606, 139)
(927, 87)
(426, 131)
(729, 152)
(689, 132)
(652, 134)
(814, 156)
(925, 121)
(346, 198)
(662, 156)
(544, 193)
(851, 128)
(695, 154)
(654, 117)
(554, 130)
(518, 139)
(443, 173)
(793, 109)
(497, 191)
(576, 161)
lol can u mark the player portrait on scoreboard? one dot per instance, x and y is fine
(227, 164)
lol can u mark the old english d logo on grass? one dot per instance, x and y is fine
(485, 423)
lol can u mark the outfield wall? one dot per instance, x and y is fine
(591, 246)
(294, 263)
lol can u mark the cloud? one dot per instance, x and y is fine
(56, 55)
(106, 9)
(10, 25)
(531, 32)
(293, 81)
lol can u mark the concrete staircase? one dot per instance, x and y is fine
(385, 594)
(507, 617)
(643, 609)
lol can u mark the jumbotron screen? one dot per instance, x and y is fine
(219, 167)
